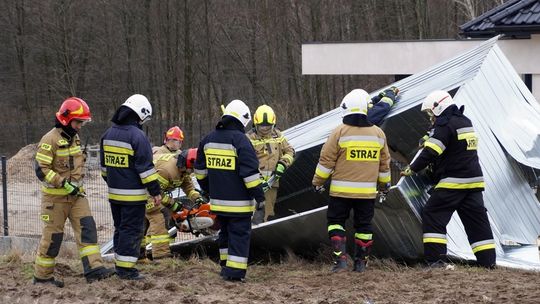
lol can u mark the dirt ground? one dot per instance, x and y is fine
(295, 281)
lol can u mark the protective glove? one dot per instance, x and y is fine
(407, 171)
(422, 140)
(280, 169)
(259, 205)
(383, 187)
(265, 186)
(70, 188)
(200, 200)
(318, 189)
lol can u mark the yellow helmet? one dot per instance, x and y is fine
(264, 116)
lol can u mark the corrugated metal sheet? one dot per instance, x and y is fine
(506, 117)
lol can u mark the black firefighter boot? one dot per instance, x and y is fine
(99, 274)
(361, 255)
(339, 245)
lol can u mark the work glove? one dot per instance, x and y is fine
(259, 205)
(200, 200)
(280, 169)
(383, 187)
(422, 140)
(70, 188)
(318, 189)
(265, 186)
(407, 171)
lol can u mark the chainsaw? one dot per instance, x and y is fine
(196, 218)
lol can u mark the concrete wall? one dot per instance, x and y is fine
(409, 57)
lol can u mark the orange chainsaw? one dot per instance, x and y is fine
(196, 219)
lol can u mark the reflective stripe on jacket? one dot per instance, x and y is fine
(126, 157)
(453, 146)
(228, 169)
(270, 150)
(57, 159)
(356, 158)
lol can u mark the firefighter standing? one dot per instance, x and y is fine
(274, 153)
(356, 156)
(174, 171)
(227, 168)
(453, 146)
(59, 165)
(126, 164)
(172, 142)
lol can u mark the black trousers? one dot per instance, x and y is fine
(234, 239)
(470, 208)
(128, 233)
(339, 209)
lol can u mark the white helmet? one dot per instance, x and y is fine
(437, 102)
(238, 110)
(356, 102)
(140, 104)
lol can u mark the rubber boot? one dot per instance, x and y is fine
(361, 255)
(99, 274)
(339, 245)
(51, 281)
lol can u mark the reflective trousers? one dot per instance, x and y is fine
(339, 209)
(470, 208)
(269, 202)
(128, 234)
(54, 212)
(157, 233)
(234, 238)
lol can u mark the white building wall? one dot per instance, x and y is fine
(409, 57)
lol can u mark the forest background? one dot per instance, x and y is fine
(190, 56)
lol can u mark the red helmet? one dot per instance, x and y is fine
(73, 108)
(187, 158)
(174, 133)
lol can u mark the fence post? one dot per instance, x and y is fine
(4, 195)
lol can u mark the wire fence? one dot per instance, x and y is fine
(24, 200)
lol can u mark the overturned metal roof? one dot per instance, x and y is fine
(506, 118)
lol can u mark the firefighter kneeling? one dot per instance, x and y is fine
(173, 172)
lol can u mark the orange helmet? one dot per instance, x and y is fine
(187, 158)
(174, 133)
(73, 108)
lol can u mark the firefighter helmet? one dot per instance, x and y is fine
(437, 102)
(264, 116)
(186, 159)
(140, 105)
(73, 108)
(174, 133)
(239, 110)
(356, 102)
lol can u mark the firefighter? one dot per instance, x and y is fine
(381, 104)
(228, 169)
(172, 142)
(174, 171)
(356, 156)
(453, 146)
(59, 165)
(274, 153)
(126, 164)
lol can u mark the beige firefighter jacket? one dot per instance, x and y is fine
(271, 150)
(162, 150)
(58, 159)
(170, 178)
(357, 158)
